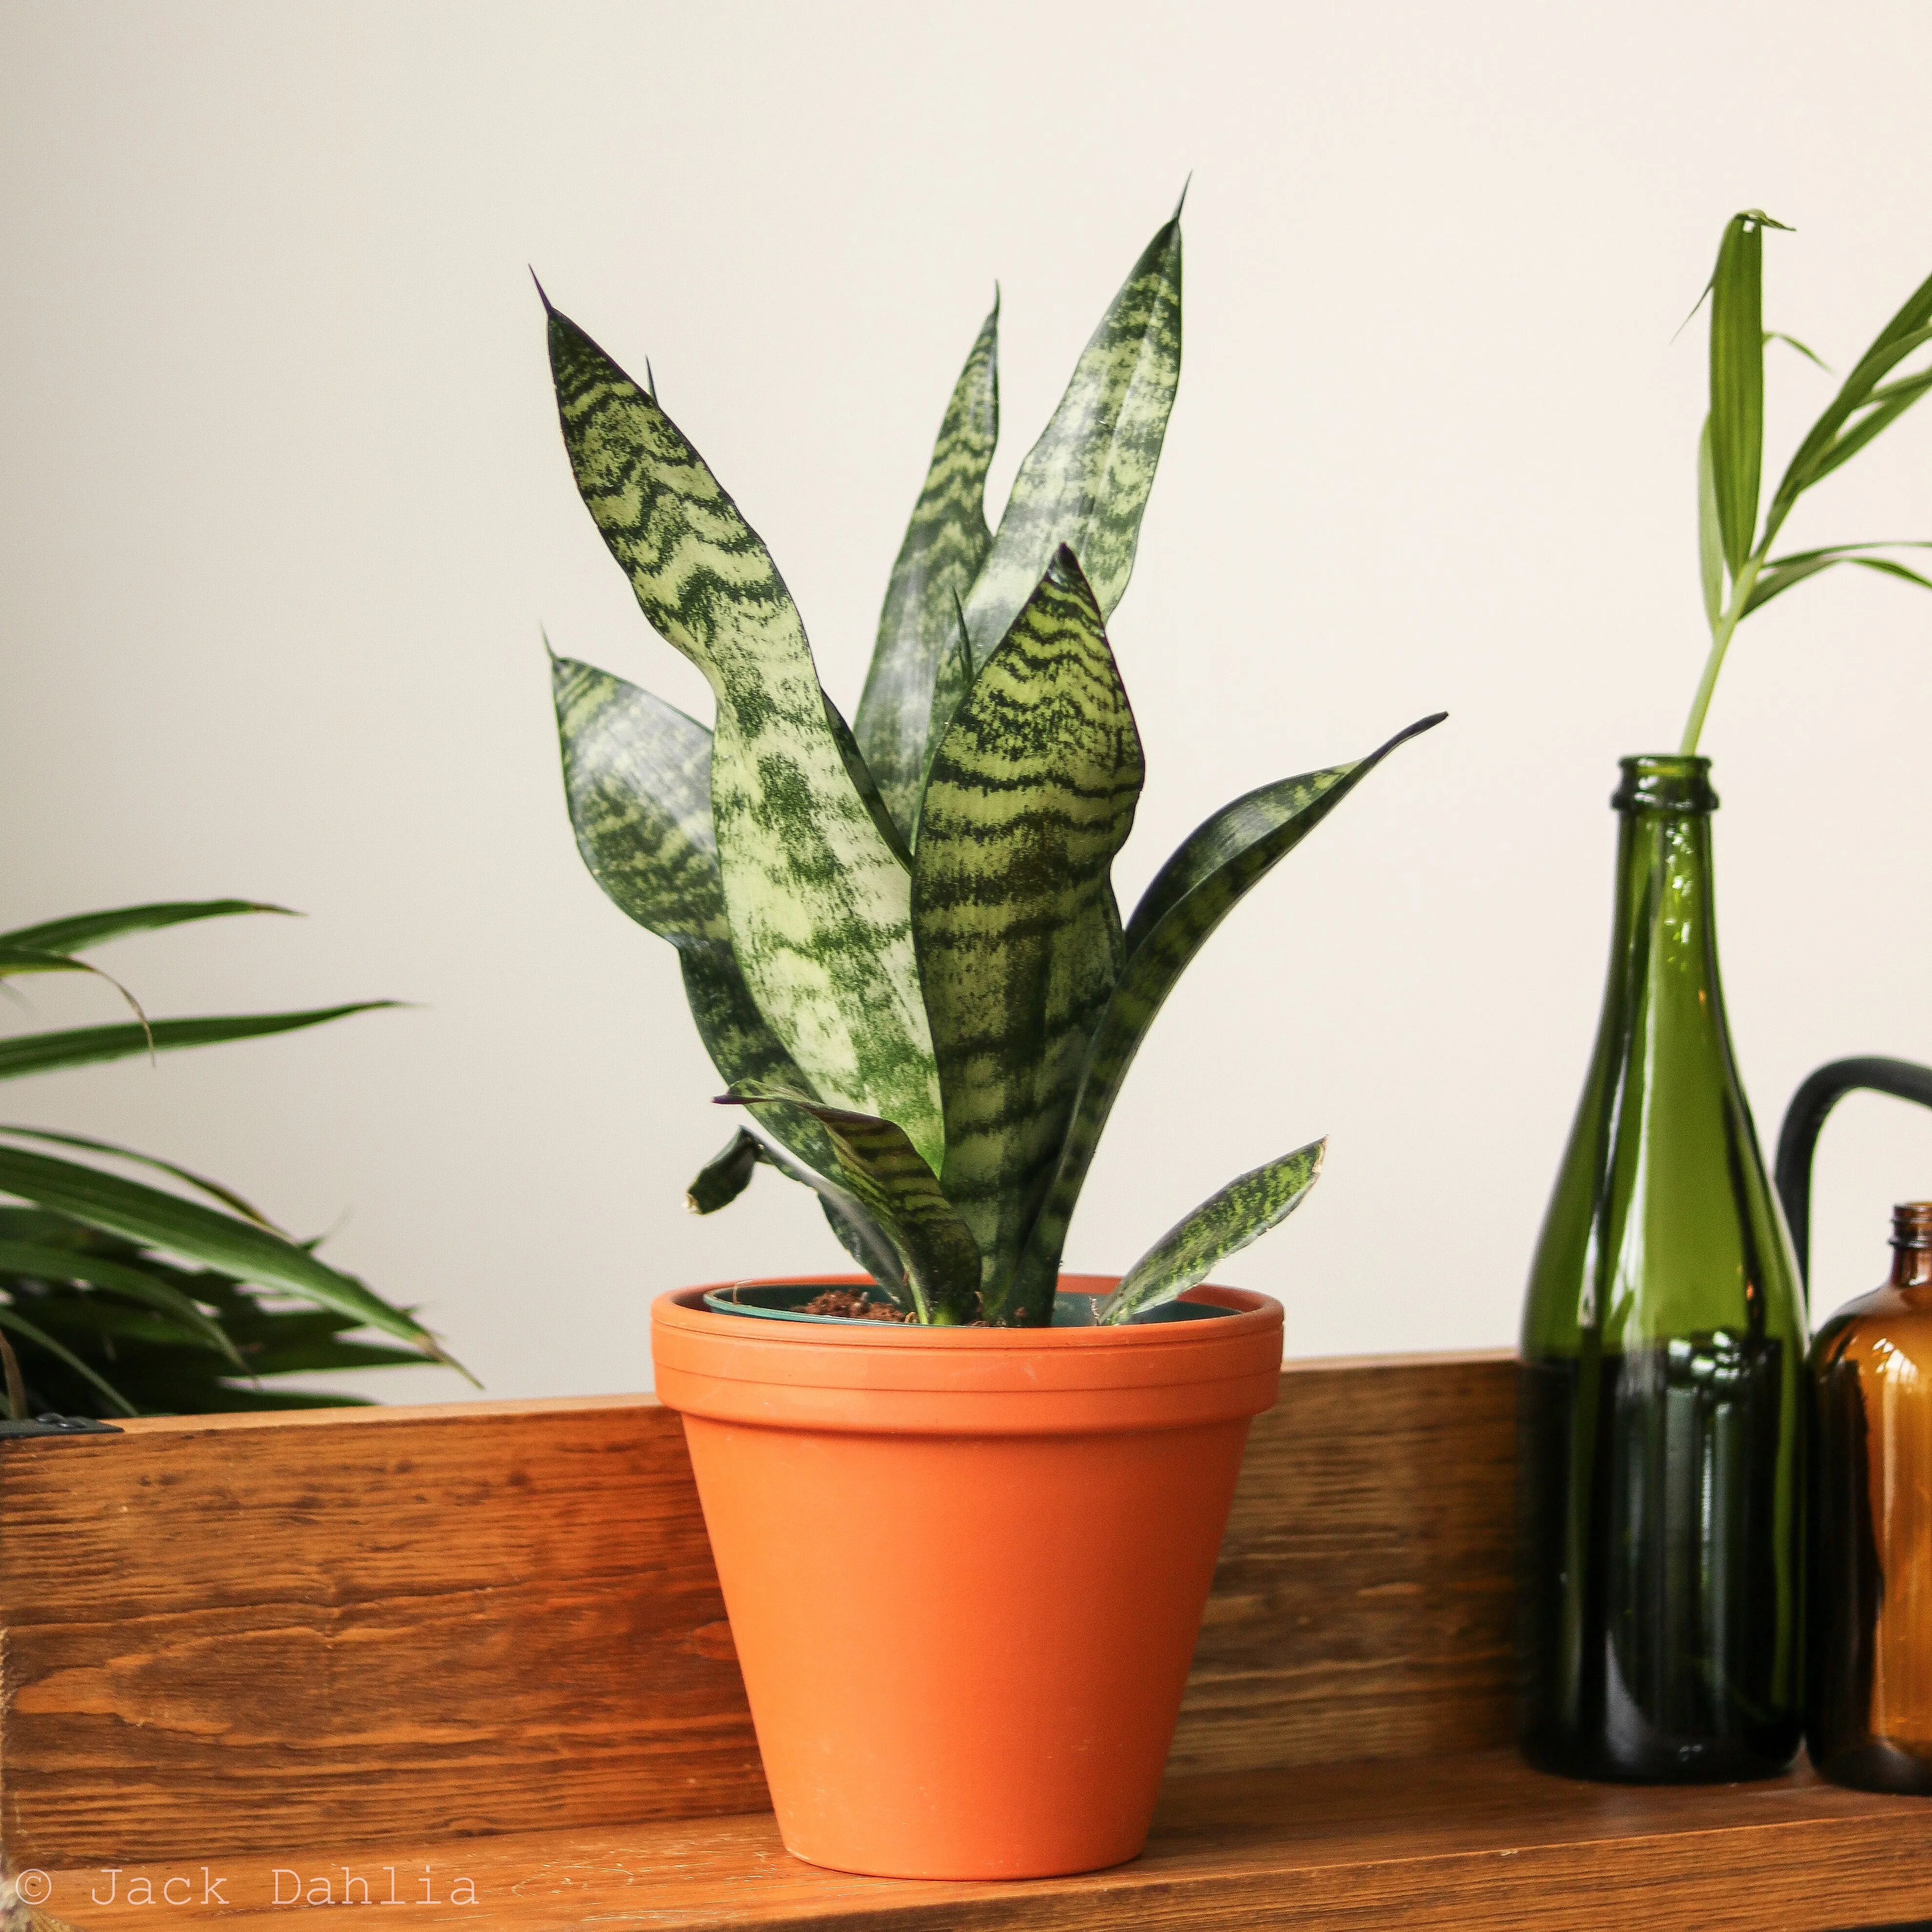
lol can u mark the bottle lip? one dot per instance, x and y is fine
(1664, 781)
(1912, 1224)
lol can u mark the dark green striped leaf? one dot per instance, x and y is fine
(900, 1191)
(1737, 381)
(241, 1248)
(725, 1176)
(1031, 795)
(951, 683)
(1213, 869)
(83, 1046)
(945, 545)
(860, 772)
(1223, 1225)
(819, 904)
(728, 1173)
(1086, 481)
(637, 776)
(75, 934)
(741, 1046)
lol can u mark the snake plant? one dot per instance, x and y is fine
(1740, 575)
(120, 1298)
(899, 937)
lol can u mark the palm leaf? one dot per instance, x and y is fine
(312, 1357)
(899, 1191)
(1214, 868)
(242, 1248)
(58, 1264)
(73, 1314)
(11, 1318)
(1031, 793)
(17, 959)
(213, 1189)
(1710, 543)
(945, 545)
(819, 904)
(1887, 404)
(1223, 1225)
(1782, 572)
(1737, 382)
(1907, 332)
(1085, 483)
(85, 1046)
(76, 934)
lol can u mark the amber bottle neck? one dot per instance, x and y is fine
(1912, 1244)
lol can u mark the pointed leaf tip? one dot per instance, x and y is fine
(1183, 202)
(549, 307)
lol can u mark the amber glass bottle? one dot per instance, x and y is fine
(1869, 1719)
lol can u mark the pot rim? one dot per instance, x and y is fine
(894, 1377)
(683, 1309)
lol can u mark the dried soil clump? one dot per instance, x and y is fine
(854, 1303)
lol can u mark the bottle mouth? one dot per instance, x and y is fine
(1912, 1224)
(1664, 781)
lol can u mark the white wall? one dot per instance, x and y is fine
(282, 506)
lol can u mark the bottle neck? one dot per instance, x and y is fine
(1912, 1245)
(1666, 906)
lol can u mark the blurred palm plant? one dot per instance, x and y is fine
(120, 1298)
(899, 940)
(1740, 575)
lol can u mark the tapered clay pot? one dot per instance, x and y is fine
(965, 1567)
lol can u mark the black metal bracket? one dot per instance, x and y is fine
(1804, 1119)
(57, 1426)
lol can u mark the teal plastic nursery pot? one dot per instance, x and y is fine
(965, 1567)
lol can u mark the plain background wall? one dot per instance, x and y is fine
(283, 506)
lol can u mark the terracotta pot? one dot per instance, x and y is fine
(965, 1567)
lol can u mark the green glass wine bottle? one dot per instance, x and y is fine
(1661, 1379)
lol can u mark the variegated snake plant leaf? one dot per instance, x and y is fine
(901, 941)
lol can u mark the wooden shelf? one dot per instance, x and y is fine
(487, 1640)
(1473, 1843)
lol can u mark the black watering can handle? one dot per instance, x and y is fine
(1803, 1119)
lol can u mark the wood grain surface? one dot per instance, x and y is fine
(1477, 1844)
(261, 1634)
(221, 1636)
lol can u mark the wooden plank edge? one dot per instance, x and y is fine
(512, 1408)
